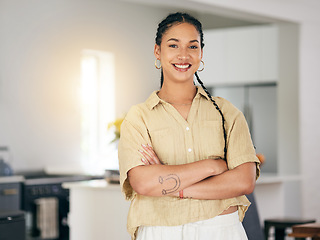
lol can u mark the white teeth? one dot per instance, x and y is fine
(182, 66)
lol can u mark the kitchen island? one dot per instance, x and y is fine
(99, 211)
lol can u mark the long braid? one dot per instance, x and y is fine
(219, 110)
(161, 78)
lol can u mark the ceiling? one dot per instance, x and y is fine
(210, 16)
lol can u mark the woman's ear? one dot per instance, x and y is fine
(157, 51)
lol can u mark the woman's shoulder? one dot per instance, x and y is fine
(135, 112)
(228, 109)
(141, 110)
(225, 104)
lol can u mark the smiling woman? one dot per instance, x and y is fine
(186, 158)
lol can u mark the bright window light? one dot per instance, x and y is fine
(98, 109)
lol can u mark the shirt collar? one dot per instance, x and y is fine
(202, 92)
(154, 99)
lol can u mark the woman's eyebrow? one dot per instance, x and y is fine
(177, 40)
(173, 39)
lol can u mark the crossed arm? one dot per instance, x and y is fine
(204, 179)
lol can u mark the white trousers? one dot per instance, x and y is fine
(224, 227)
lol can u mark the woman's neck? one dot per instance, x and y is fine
(178, 93)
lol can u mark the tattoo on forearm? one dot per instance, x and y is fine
(175, 183)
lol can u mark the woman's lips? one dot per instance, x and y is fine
(182, 67)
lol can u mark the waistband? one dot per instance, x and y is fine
(221, 220)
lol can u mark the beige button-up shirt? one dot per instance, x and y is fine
(179, 141)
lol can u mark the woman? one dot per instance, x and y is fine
(186, 158)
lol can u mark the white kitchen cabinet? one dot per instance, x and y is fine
(269, 53)
(98, 211)
(278, 196)
(214, 56)
(240, 55)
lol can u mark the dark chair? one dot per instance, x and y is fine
(12, 225)
(281, 224)
(251, 222)
(308, 230)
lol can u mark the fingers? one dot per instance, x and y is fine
(149, 156)
(145, 161)
(149, 150)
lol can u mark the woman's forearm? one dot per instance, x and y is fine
(162, 180)
(232, 183)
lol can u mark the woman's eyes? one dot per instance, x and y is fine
(176, 46)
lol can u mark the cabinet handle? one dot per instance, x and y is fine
(10, 191)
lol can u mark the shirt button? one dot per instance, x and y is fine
(187, 128)
(189, 150)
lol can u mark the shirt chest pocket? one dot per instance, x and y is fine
(211, 138)
(163, 143)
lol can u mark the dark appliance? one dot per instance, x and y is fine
(12, 221)
(38, 185)
(10, 193)
(12, 225)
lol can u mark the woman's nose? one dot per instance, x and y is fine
(183, 54)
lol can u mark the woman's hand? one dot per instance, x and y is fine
(149, 155)
(151, 158)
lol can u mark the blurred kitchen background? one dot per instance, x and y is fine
(69, 68)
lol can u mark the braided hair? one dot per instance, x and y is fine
(178, 18)
(219, 110)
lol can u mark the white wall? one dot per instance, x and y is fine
(40, 46)
(309, 118)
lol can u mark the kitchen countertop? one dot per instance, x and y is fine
(11, 179)
(271, 178)
(265, 178)
(92, 184)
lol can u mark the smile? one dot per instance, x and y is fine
(182, 66)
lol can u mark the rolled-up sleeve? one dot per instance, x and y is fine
(131, 137)
(240, 146)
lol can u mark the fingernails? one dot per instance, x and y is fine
(148, 145)
(140, 150)
(143, 160)
(143, 145)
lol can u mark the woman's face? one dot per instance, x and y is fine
(180, 53)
